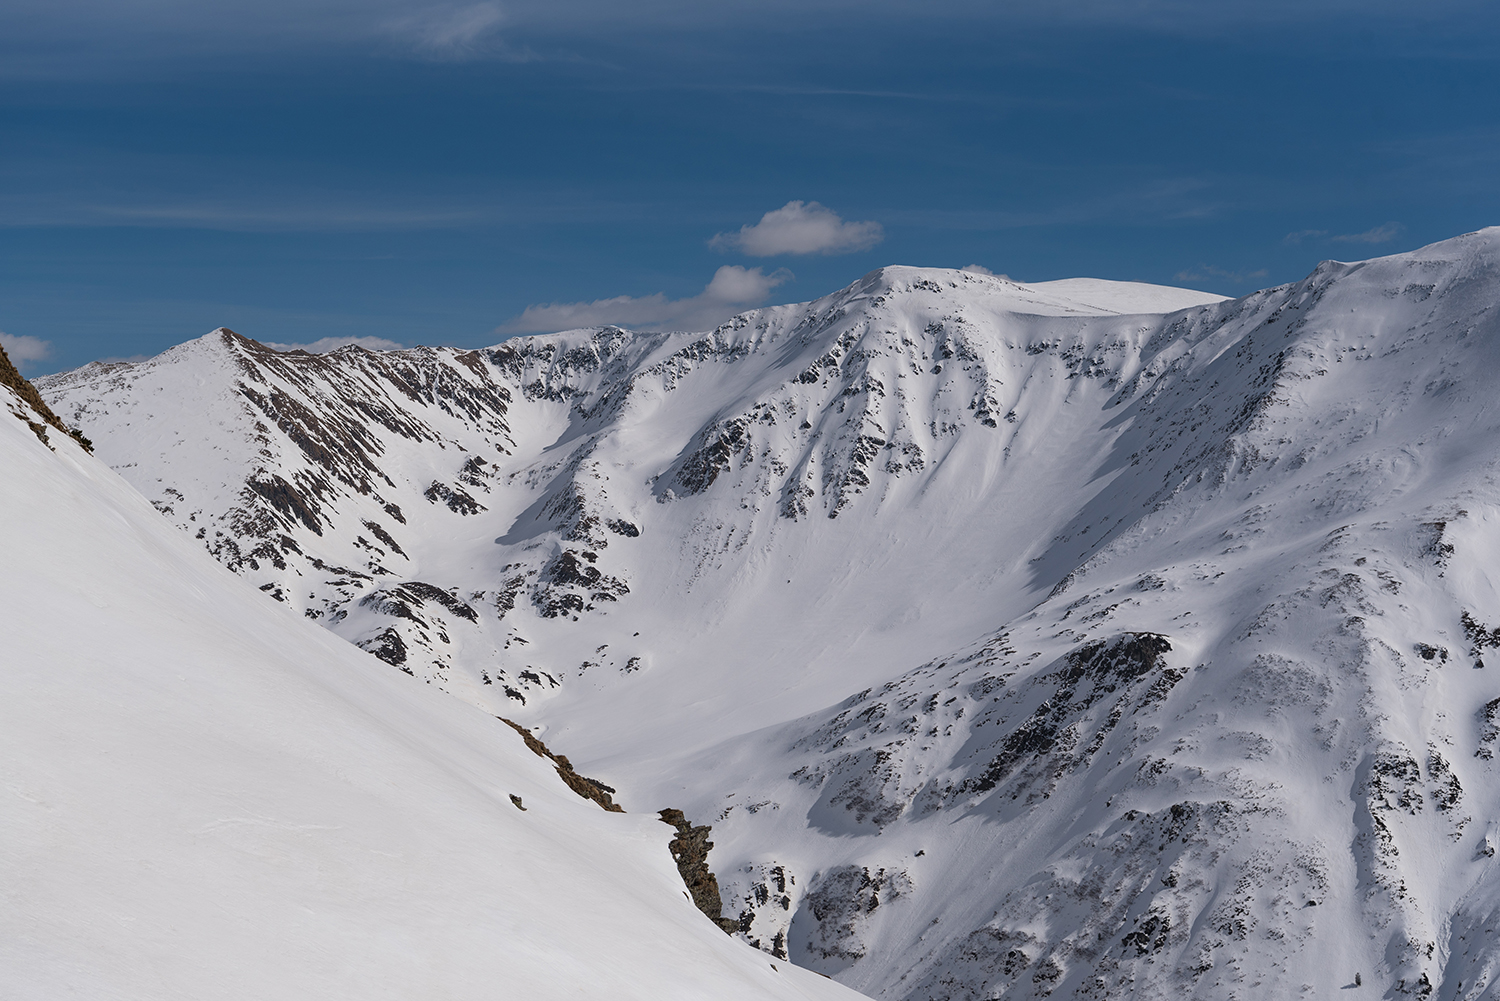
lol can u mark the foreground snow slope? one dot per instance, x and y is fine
(207, 797)
(1016, 645)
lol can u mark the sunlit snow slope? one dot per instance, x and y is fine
(1070, 640)
(205, 796)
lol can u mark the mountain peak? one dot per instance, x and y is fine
(1065, 297)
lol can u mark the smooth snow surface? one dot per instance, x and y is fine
(205, 796)
(1126, 297)
(1017, 641)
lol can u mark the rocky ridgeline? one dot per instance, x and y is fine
(26, 404)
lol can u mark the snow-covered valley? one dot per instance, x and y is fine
(1078, 639)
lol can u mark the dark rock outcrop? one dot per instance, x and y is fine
(690, 851)
(11, 377)
(581, 784)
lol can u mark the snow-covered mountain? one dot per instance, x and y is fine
(449, 510)
(1073, 640)
(205, 796)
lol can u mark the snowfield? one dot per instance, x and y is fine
(205, 796)
(1070, 640)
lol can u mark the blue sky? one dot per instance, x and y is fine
(453, 173)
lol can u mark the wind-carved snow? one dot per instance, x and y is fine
(1153, 644)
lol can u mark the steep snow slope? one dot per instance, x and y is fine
(206, 797)
(1147, 641)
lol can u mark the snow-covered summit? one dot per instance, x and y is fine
(1126, 297)
(1016, 640)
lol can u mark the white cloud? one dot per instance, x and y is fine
(449, 32)
(732, 289)
(801, 228)
(1293, 239)
(24, 349)
(980, 269)
(1380, 234)
(327, 344)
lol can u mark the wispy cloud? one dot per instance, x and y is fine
(254, 218)
(24, 349)
(73, 30)
(732, 289)
(1207, 272)
(450, 32)
(49, 38)
(801, 228)
(326, 344)
(1380, 234)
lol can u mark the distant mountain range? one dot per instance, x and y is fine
(1075, 640)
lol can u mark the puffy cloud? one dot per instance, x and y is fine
(24, 349)
(732, 289)
(326, 344)
(1380, 234)
(801, 228)
(980, 269)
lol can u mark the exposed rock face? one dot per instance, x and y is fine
(690, 851)
(766, 908)
(584, 786)
(32, 409)
(837, 910)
